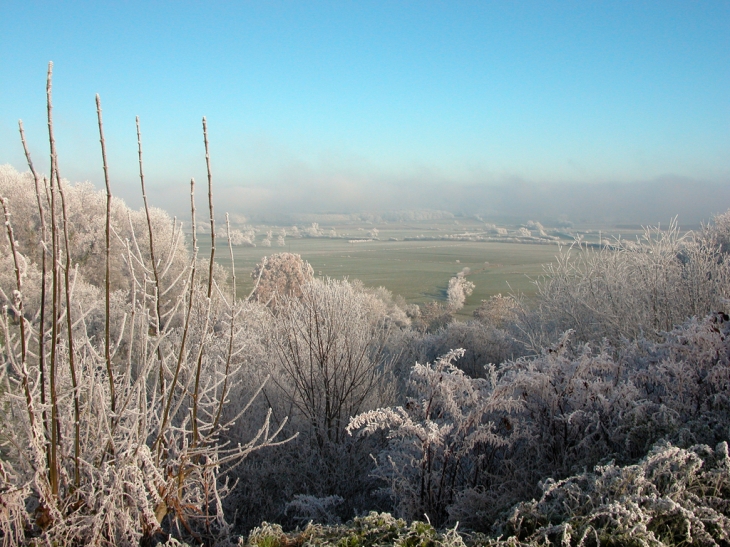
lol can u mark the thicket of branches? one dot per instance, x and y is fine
(120, 352)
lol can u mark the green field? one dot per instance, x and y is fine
(419, 270)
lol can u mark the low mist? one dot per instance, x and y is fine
(644, 202)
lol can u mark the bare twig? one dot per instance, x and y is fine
(186, 328)
(196, 392)
(150, 233)
(19, 310)
(53, 472)
(107, 280)
(224, 393)
(44, 275)
(210, 205)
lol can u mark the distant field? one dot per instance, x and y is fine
(417, 270)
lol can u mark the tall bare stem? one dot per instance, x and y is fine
(181, 355)
(19, 310)
(210, 206)
(155, 272)
(53, 472)
(107, 279)
(196, 392)
(66, 288)
(44, 275)
(229, 355)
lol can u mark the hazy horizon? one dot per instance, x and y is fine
(613, 112)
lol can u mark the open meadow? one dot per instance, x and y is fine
(416, 259)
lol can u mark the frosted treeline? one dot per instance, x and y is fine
(145, 401)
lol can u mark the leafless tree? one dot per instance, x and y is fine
(329, 347)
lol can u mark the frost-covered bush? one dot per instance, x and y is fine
(312, 508)
(498, 311)
(573, 402)
(372, 530)
(716, 235)
(432, 316)
(111, 448)
(442, 440)
(328, 347)
(384, 304)
(326, 358)
(628, 289)
(483, 345)
(688, 373)
(548, 416)
(86, 214)
(672, 497)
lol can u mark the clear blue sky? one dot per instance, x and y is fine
(352, 100)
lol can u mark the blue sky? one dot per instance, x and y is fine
(351, 105)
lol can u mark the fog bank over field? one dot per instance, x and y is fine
(643, 202)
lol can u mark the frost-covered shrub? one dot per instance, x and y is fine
(312, 508)
(628, 289)
(673, 496)
(498, 311)
(568, 409)
(688, 373)
(86, 213)
(272, 479)
(372, 530)
(110, 449)
(383, 303)
(443, 439)
(328, 347)
(716, 235)
(573, 403)
(432, 316)
(325, 354)
(483, 345)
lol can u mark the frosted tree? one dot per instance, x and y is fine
(313, 230)
(498, 310)
(328, 347)
(459, 288)
(278, 276)
(281, 239)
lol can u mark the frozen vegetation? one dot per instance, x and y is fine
(145, 402)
